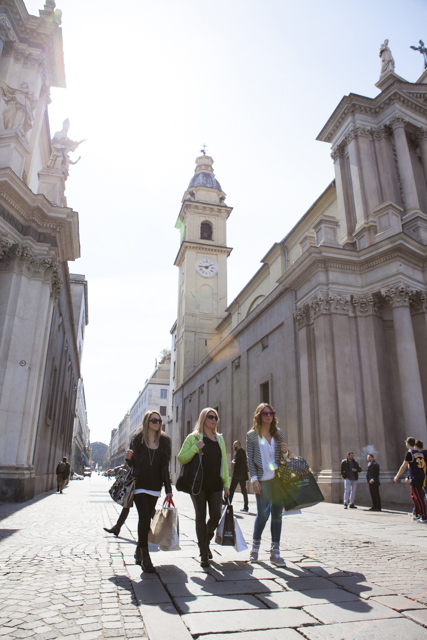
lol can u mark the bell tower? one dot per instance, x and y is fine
(202, 263)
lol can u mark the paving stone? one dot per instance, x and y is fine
(287, 599)
(304, 584)
(248, 620)
(90, 635)
(350, 612)
(217, 603)
(92, 626)
(417, 616)
(395, 629)
(112, 625)
(361, 588)
(224, 588)
(399, 603)
(266, 634)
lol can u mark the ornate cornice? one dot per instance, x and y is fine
(21, 257)
(336, 303)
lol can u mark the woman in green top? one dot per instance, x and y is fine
(215, 477)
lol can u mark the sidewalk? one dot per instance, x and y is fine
(351, 574)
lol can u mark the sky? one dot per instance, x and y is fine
(149, 82)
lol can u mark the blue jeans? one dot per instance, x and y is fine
(267, 504)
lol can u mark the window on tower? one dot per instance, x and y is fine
(206, 231)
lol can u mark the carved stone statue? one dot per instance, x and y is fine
(61, 147)
(387, 61)
(20, 105)
(423, 50)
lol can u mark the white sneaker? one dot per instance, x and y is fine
(275, 557)
(253, 557)
(422, 521)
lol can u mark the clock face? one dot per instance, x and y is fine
(207, 267)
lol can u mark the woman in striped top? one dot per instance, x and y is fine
(265, 444)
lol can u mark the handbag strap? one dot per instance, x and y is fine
(200, 467)
(168, 502)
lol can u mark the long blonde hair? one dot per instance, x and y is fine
(145, 425)
(198, 429)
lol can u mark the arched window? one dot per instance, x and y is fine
(206, 231)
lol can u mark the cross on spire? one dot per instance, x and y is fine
(203, 149)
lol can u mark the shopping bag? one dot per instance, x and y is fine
(123, 489)
(190, 478)
(240, 544)
(299, 492)
(163, 525)
(174, 543)
(225, 533)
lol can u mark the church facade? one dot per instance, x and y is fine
(332, 329)
(43, 309)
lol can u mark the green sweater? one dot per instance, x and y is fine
(190, 448)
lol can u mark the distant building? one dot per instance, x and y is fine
(122, 442)
(97, 453)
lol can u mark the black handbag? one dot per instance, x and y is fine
(190, 478)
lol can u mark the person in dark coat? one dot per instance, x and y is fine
(62, 474)
(240, 473)
(373, 479)
(149, 456)
(350, 470)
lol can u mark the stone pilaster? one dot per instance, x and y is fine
(422, 140)
(399, 297)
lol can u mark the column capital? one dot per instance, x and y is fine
(336, 153)
(378, 133)
(358, 132)
(398, 295)
(366, 304)
(422, 134)
(418, 303)
(6, 31)
(302, 316)
(22, 258)
(397, 122)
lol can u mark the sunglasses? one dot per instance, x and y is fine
(211, 417)
(268, 413)
(155, 420)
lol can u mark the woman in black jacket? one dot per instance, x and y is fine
(149, 455)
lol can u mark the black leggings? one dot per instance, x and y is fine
(146, 506)
(205, 530)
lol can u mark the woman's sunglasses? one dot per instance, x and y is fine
(155, 420)
(211, 416)
(268, 413)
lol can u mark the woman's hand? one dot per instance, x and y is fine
(169, 497)
(200, 444)
(256, 487)
(284, 448)
(226, 493)
(129, 454)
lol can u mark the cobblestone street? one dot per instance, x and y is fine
(351, 574)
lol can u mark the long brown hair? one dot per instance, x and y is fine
(258, 419)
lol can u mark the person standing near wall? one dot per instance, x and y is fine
(240, 474)
(373, 479)
(350, 470)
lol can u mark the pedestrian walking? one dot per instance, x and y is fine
(240, 474)
(420, 446)
(149, 457)
(62, 474)
(415, 462)
(265, 445)
(373, 479)
(215, 477)
(350, 470)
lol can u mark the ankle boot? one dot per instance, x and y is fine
(204, 559)
(115, 530)
(138, 555)
(146, 563)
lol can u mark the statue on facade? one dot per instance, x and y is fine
(423, 50)
(20, 105)
(61, 147)
(387, 61)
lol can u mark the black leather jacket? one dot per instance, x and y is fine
(137, 444)
(345, 468)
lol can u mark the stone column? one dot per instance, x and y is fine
(29, 284)
(409, 373)
(422, 138)
(356, 177)
(419, 323)
(344, 210)
(405, 164)
(6, 34)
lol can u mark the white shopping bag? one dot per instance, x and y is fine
(240, 544)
